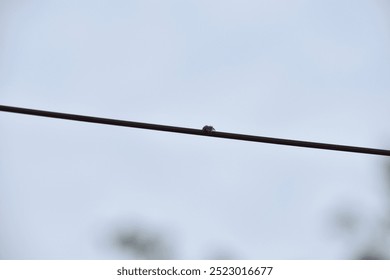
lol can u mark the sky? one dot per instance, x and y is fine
(306, 70)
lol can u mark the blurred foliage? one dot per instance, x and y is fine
(143, 244)
(379, 247)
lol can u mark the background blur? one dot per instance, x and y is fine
(308, 70)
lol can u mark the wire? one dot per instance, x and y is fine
(193, 131)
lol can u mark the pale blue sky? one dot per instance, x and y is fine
(309, 70)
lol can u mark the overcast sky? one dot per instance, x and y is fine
(306, 70)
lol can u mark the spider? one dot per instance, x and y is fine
(208, 129)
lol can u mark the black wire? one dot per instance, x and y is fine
(193, 131)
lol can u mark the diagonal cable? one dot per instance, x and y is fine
(200, 132)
